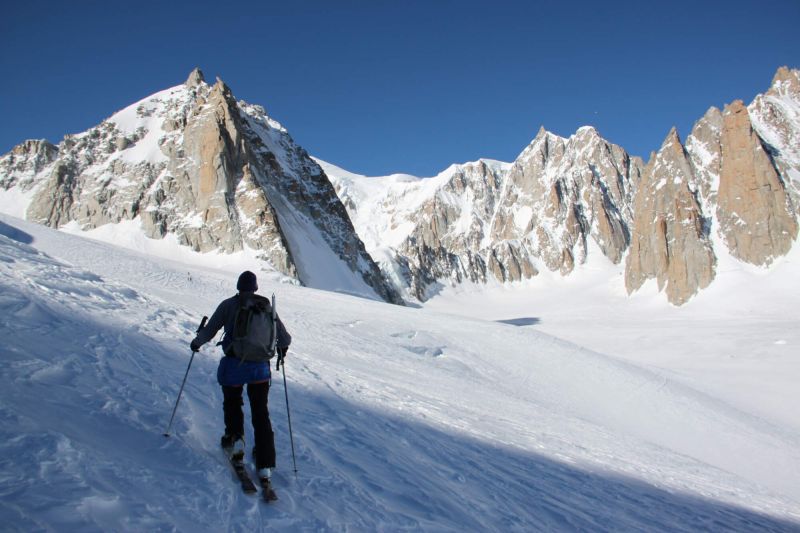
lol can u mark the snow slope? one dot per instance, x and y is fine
(738, 340)
(404, 419)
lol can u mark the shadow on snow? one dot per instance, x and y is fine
(15, 234)
(523, 321)
(383, 470)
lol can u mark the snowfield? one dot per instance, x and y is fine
(404, 419)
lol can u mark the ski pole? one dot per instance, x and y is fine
(166, 433)
(281, 363)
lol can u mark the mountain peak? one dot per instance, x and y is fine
(587, 135)
(786, 82)
(195, 78)
(228, 180)
(673, 133)
(784, 74)
(223, 88)
(590, 130)
(672, 138)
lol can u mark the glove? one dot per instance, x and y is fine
(195, 346)
(281, 354)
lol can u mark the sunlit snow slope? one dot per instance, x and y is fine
(403, 418)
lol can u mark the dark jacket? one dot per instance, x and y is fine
(225, 317)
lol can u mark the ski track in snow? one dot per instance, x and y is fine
(403, 419)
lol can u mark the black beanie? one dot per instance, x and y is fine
(247, 282)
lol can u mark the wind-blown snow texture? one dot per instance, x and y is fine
(403, 418)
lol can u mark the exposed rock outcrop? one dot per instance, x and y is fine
(561, 192)
(221, 175)
(775, 117)
(755, 214)
(195, 78)
(450, 229)
(670, 236)
(20, 167)
(217, 173)
(735, 184)
(705, 154)
(482, 221)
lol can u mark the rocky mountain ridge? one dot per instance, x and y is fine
(490, 220)
(221, 175)
(217, 173)
(733, 185)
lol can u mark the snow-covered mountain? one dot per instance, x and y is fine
(194, 164)
(732, 189)
(191, 163)
(403, 419)
(490, 220)
(422, 230)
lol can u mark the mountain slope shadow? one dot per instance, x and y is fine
(15, 234)
(389, 471)
(81, 443)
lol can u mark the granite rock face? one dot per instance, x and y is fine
(449, 230)
(491, 222)
(743, 178)
(216, 173)
(560, 193)
(734, 186)
(219, 174)
(670, 235)
(705, 154)
(775, 117)
(755, 213)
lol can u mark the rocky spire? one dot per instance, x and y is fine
(195, 78)
(669, 234)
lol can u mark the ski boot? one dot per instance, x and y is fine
(233, 445)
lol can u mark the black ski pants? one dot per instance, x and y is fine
(232, 403)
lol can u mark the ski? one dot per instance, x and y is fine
(266, 490)
(241, 474)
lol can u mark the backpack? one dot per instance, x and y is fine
(254, 331)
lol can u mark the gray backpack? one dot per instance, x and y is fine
(254, 331)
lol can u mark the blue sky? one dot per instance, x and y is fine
(381, 87)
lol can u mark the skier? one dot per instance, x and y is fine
(233, 373)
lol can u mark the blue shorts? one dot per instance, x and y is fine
(234, 372)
